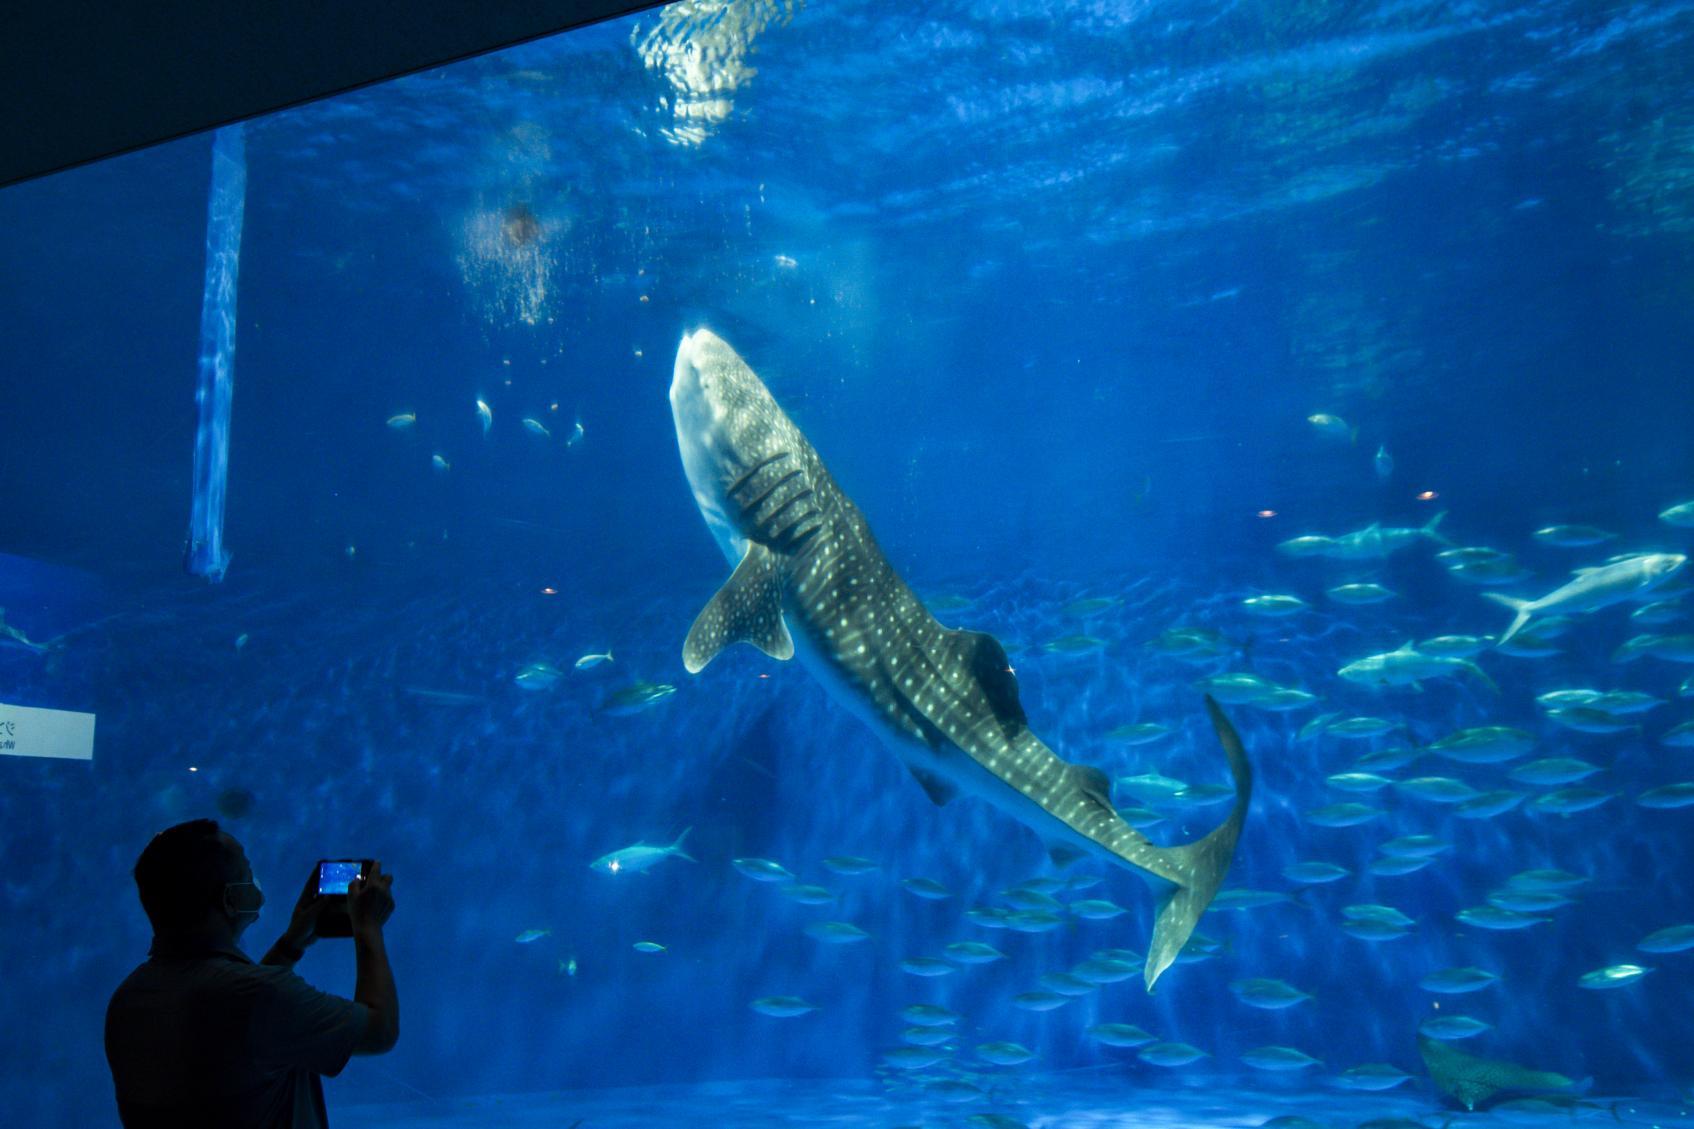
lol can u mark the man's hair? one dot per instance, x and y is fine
(182, 873)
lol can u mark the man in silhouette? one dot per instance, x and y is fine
(200, 1037)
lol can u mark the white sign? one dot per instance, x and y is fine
(26, 731)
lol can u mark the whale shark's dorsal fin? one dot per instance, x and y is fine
(747, 607)
(986, 660)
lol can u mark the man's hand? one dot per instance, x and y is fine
(369, 901)
(303, 923)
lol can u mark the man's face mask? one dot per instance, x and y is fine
(242, 901)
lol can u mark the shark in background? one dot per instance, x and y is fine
(810, 580)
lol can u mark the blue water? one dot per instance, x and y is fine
(1053, 290)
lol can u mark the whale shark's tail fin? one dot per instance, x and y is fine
(1521, 607)
(1202, 864)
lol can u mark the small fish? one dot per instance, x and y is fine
(241, 641)
(849, 864)
(1659, 613)
(1384, 462)
(1681, 514)
(1242, 898)
(1450, 1028)
(1004, 1054)
(929, 1015)
(1387, 915)
(1671, 939)
(1097, 909)
(1546, 879)
(1572, 536)
(568, 967)
(1190, 644)
(1588, 719)
(1039, 1001)
(1437, 789)
(1268, 995)
(1398, 866)
(636, 697)
(926, 1036)
(1551, 771)
(1528, 901)
(914, 1058)
(1082, 609)
(782, 1007)
(785, 262)
(536, 427)
(1066, 984)
(530, 936)
(1100, 970)
(1416, 846)
(1141, 733)
(1362, 728)
(1033, 921)
(1308, 545)
(927, 888)
(590, 661)
(1274, 606)
(486, 415)
(1170, 1054)
(1372, 1077)
(401, 421)
(1367, 592)
(1408, 666)
(1344, 815)
(538, 676)
(1487, 805)
(1151, 787)
(1484, 744)
(649, 947)
(836, 932)
(1613, 976)
(1314, 873)
(806, 895)
(1668, 797)
(640, 857)
(1456, 646)
(1316, 726)
(1569, 801)
(1333, 427)
(1278, 1058)
(440, 463)
(973, 952)
(1594, 588)
(1361, 782)
(762, 870)
(1497, 919)
(1074, 645)
(927, 966)
(1120, 1035)
(1458, 981)
(1373, 931)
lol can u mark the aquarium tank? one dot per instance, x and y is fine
(967, 564)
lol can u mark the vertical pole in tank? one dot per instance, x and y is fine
(205, 554)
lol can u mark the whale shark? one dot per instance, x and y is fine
(810, 581)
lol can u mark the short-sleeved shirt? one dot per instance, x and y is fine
(203, 1037)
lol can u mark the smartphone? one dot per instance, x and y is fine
(334, 875)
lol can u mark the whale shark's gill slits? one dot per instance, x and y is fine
(786, 520)
(752, 504)
(747, 475)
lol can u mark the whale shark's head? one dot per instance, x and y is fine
(727, 424)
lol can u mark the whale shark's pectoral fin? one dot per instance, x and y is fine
(1199, 867)
(748, 607)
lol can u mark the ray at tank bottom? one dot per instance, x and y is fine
(811, 580)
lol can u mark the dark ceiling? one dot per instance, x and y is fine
(80, 81)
